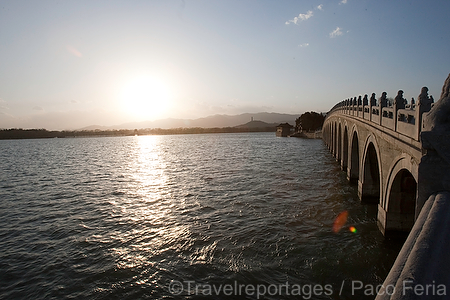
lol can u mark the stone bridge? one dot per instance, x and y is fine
(392, 153)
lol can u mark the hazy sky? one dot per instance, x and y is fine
(69, 64)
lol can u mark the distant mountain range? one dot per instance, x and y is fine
(257, 120)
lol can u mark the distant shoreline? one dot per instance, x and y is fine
(18, 133)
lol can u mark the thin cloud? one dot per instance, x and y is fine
(74, 51)
(303, 45)
(304, 17)
(3, 104)
(301, 17)
(38, 108)
(343, 2)
(336, 32)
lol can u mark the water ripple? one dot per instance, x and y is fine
(121, 217)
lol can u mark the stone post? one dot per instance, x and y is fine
(365, 104)
(423, 105)
(394, 109)
(418, 117)
(353, 106)
(373, 103)
(434, 167)
(382, 103)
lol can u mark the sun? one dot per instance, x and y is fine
(145, 98)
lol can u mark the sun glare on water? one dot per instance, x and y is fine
(146, 98)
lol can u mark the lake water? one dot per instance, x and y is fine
(219, 216)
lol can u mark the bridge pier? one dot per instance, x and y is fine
(394, 223)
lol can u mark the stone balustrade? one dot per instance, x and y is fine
(405, 119)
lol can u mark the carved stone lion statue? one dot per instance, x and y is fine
(438, 119)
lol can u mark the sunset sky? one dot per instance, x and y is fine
(70, 64)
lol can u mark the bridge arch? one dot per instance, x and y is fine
(397, 213)
(339, 144)
(332, 137)
(353, 167)
(370, 183)
(335, 139)
(344, 163)
(326, 135)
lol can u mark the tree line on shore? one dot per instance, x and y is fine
(19, 133)
(309, 121)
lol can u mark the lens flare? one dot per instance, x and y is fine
(352, 229)
(340, 221)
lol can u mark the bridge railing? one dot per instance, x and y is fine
(398, 116)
